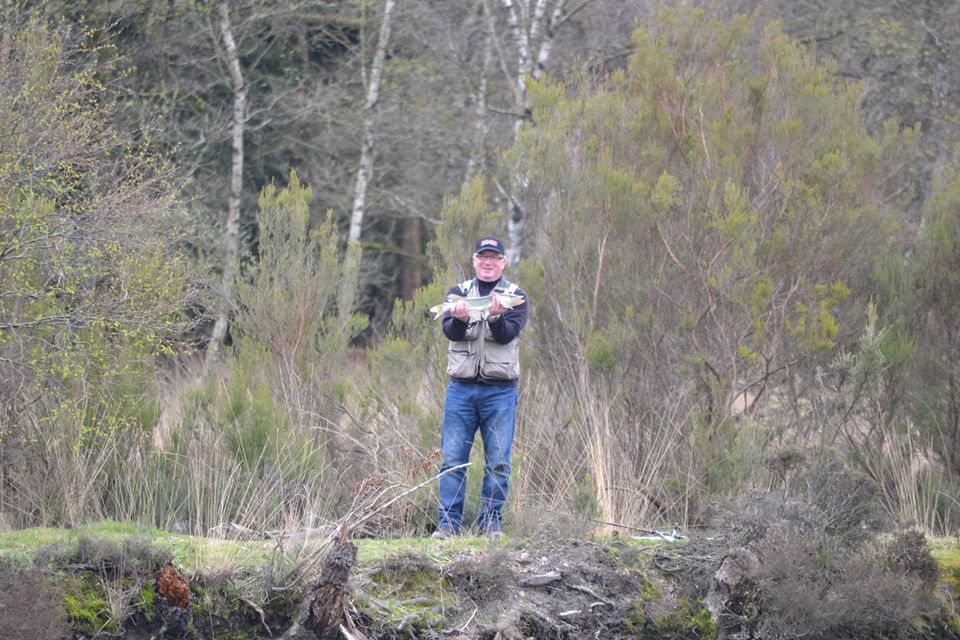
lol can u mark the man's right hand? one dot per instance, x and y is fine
(460, 311)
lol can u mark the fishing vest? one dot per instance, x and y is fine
(479, 352)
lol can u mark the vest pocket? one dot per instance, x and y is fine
(501, 361)
(461, 363)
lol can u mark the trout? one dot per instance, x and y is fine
(477, 306)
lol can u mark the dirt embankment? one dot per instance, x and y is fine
(508, 589)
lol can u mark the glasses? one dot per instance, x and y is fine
(488, 257)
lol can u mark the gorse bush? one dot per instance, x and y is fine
(696, 256)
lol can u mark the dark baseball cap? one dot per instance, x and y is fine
(489, 243)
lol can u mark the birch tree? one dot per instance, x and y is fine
(232, 251)
(532, 28)
(364, 171)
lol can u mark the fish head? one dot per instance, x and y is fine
(510, 300)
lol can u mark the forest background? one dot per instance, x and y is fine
(221, 224)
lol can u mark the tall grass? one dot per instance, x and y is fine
(263, 449)
(916, 492)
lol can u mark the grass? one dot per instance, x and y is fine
(206, 556)
(946, 551)
(194, 553)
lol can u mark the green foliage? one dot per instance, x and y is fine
(932, 304)
(462, 220)
(287, 299)
(688, 242)
(601, 353)
(583, 501)
(689, 618)
(256, 421)
(91, 285)
(722, 231)
(88, 282)
(85, 605)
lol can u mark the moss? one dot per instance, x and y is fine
(649, 591)
(406, 594)
(636, 619)
(950, 567)
(85, 604)
(687, 619)
(148, 597)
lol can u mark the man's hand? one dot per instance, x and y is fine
(460, 311)
(495, 307)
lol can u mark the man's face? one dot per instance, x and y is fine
(488, 265)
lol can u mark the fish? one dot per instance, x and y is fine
(477, 306)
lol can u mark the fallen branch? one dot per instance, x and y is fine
(541, 580)
(259, 610)
(351, 521)
(359, 521)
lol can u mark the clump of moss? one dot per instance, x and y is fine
(649, 590)
(635, 619)
(688, 619)
(950, 565)
(86, 605)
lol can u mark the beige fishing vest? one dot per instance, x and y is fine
(479, 352)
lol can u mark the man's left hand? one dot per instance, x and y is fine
(495, 307)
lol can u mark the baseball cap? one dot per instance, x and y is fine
(489, 243)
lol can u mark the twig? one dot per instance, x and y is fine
(417, 487)
(582, 588)
(258, 609)
(347, 634)
(463, 627)
(541, 580)
(652, 532)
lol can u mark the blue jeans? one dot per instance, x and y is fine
(470, 406)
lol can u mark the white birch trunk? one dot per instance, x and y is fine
(366, 150)
(521, 40)
(351, 273)
(236, 182)
(539, 31)
(476, 162)
(546, 44)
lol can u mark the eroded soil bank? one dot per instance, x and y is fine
(508, 589)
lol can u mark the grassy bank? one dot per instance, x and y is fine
(103, 580)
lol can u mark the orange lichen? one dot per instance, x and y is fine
(173, 586)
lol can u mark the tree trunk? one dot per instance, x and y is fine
(236, 182)
(410, 275)
(476, 162)
(351, 273)
(324, 614)
(8, 30)
(539, 31)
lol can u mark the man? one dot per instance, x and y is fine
(483, 362)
